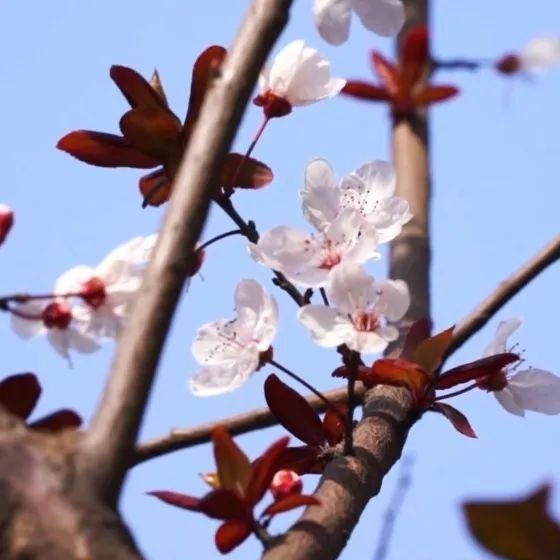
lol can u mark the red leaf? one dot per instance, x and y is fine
(388, 73)
(333, 424)
(399, 372)
(252, 175)
(234, 468)
(516, 529)
(231, 534)
(155, 188)
(104, 150)
(429, 352)
(434, 94)
(457, 418)
(301, 460)
(6, 222)
(137, 90)
(223, 504)
(293, 412)
(19, 394)
(475, 370)
(176, 499)
(155, 83)
(154, 131)
(264, 469)
(365, 90)
(288, 503)
(419, 331)
(206, 64)
(60, 420)
(414, 56)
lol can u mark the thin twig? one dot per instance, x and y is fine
(108, 445)
(219, 238)
(457, 393)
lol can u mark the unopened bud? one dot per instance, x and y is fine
(57, 315)
(6, 222)
(285, 483)
(93, 292)
(509, 64)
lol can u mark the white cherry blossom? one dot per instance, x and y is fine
(308, 259)
(108, 291)
(232, 350)
(541, 53)
(332, 17)
(369, 189)
(530, 389)
(361, 311)
(298, 76)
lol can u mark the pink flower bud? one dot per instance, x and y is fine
(57, 315)
(285, 483)
(6, 222)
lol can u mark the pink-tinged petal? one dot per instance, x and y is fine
(537, 390)
(231, 534)
(327, 326)
(104, 150)
(57, 421)
(541, 53)
(216, 380)
(507, 398)
(503, 332)
(19, 394)
(289, 503)
(393, 299)
(72, 280)
(332, 19)
(137, 90)
(351, 289)
(320, 196)
(435, 94)
(223, 504)
(176, 499)
(457, 418)
(366, 91)
(27, 328)
(384, 17)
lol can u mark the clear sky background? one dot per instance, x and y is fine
(495, 167)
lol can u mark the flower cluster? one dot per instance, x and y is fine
(541, 53)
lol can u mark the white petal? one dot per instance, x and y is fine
(222, 342)
(26, 328)
(503, 332)
(393, 299)
(81, 342)
(365, 247)
(59, 340)
(326, 325)
(215, 380)
(537, 390)
(541, 54)
(320, 197)
(389, 218)
(507, 399)
(72, 280)
(351, 288)
(369, 342)
(384, 17)
(332, 18)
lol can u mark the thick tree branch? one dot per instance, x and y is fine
(109, 443)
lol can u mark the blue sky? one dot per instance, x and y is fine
(495, 152)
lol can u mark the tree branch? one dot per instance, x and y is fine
(109, 443)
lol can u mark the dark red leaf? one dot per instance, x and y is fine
(155, 188)
(516, 529)
(288, 503)
(176, 499)
(365, 90)
(419, 331)
(293, 412)
(6, 222)
(104, 150)
(388, 73)
(155, 83)
(253, 174)
(399, 372)
(204, 68)
(457, 418)
(60, 420)
(301, 460)
(264, 469)
(429, 352)
(231, 534)
(19, 394)
(333, 423)
(414, 56)
(137, 90)
(475, 370)
(434, 94)
(234, 468)
(223, 504)
(154, 131)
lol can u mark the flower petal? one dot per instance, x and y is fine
(384, 17)
(537, 390)
(507, 399)
(503, 332)
(327, 326)
(393, 299)
(332, 18)
(320, 196)
(215, 380)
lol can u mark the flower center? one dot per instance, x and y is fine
(331, 257)
(57, 315)
(366, 322)
(495, 382)
(93, 292)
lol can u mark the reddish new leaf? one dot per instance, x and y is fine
(204, 68)
(234, 468)
(154, 131)
(293, 412)
(155, 188)
(433, 94)
(231, 534)
(414, 56)
(137, 90)
(429, 352)
(517, 530)
(475, 370)
(253, 174)
(457, 418)
(155, 83)
(264, 469)
(399, 372)
(223, 504)
(388, 73)
(419, 331)
(334, 424)
(301, 460)
(176, 499)
(19, 394)
(288, 503)
(365, 90)
(60, 420)
(104, 150)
